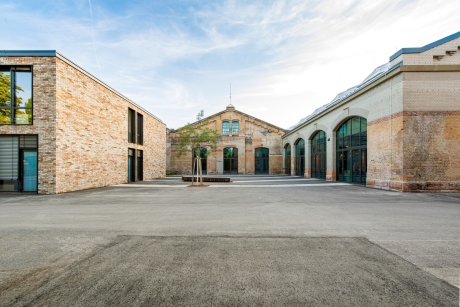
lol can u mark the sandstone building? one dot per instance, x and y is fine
(399, 129)
(246, 145)
(62, 129)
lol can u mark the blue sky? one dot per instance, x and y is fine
(283, 58)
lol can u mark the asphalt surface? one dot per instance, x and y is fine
(260, 240)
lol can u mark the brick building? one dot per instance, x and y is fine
(246, 145)
(62, 129)
(399, 129)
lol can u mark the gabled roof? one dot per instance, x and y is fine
(426, 47)
(236, 111)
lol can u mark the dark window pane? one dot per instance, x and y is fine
(347, 127)
(363, 138)
(355, 125)
(346, 142)
(23, 89)
(355, 140)
(340, 131)
(287, 150)
(339, 143)
(140, 128)
(23, 116)
(363, 124)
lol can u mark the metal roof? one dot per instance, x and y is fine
(375, 75)
(426, 47)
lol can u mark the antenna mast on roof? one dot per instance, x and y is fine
(230, 95)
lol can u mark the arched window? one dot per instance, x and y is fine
(261, 160)
(231, 160)
(235, 128)
(203, 155)
(287, 159)
(351, 140)
(225, 128)
(300, 157)
(318, 155)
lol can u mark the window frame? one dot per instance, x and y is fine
(238, 129)
(140, 129)
(12, 69)
(131, 126)
(228, 128)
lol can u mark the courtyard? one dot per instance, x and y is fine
(260, 240)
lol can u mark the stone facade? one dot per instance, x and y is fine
(253, 133)
(412, 113)
(82, 128)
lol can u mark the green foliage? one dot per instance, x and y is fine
(197, 135)
(5, 98)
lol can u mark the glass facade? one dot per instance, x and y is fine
(16, 103)
(287, 159)
(262, 160)
(231, 160)
(300, 157)
(318, 155)
(351, 144)
(203, 153)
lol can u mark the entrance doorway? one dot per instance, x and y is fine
(352, 151)
(231, 161)
(29, 170)
(318, 155)
(300, 157)
(203, 152)
(287, 159)
(261, 160)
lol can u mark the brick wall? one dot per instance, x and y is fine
(44, 121)
(253, 133)
(92, 134)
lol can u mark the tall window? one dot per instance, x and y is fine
(235, 128)
(231, 160)
(261, 160)
(131, 165)
(16, 95)
(287, 159)
(131, 126)
(300, 157)
(225, 128)
(318, 155)
(140, 165)
(352, 150)
(140, 129)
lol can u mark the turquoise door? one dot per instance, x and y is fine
(29, 171)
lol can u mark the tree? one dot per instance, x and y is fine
(195, 136)
(5, 98)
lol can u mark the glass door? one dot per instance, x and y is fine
(29, 170)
